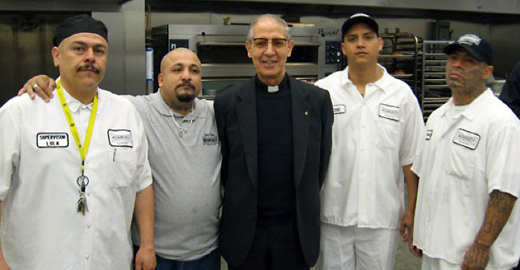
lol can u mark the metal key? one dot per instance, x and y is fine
(82, 203)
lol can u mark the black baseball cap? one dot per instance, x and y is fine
(478, 47)
(359, 18)
(79, 24)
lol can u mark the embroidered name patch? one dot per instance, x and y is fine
(466, 138)
(209, 139)
(429, 134)
(389, 112)
(120, 137)
(52, 140)
(339, 109)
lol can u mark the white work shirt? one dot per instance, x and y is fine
(373, 138)
(186, 173)
(463, 159)
(40, 162)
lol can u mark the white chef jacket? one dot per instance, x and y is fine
(462, 161)
(40, 163)
(373, 138)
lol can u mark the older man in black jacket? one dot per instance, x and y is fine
(276, 142)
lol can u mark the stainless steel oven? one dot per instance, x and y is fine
(224, 58)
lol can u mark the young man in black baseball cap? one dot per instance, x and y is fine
(377, 129)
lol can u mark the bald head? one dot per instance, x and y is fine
(178, 53)
(180, 80)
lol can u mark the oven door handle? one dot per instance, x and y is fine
(312, 44)
(220, 43)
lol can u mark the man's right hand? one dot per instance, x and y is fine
(42, 85)
(417, 252)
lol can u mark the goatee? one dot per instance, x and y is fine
(185, 98)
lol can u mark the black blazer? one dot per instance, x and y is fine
(312, 117)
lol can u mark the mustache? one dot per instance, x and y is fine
(88, 67)
(456, 69)
(189, 84)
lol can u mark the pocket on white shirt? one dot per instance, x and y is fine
(387, 133)
(121, 165)
(461, 162)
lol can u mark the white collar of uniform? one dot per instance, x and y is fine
(381, 83)
(164, 109)
(473, 109)
(74, 104)
(384, 81)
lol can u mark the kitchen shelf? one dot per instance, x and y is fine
(434, 91)
(401, 56)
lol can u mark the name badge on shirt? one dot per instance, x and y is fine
(339, 109)
(466, 138)
(52, 140)
(120, 138)
(389, 112)
(209, 139)
(429, 134)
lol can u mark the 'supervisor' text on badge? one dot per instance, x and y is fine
(52, 140)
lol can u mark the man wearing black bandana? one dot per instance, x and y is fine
(174, 118)
(74, 171)
(275, 137)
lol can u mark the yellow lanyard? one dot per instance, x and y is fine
(82, 149)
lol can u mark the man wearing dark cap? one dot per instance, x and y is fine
(468, 169)
(377, 130)
(74, 171)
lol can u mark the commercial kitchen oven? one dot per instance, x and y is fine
(317, 52)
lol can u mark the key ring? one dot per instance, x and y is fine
(83, 181)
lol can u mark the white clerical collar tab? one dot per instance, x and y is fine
(272, 89)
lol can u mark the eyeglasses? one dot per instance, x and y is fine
(261, 43)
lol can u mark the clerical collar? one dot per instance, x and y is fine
(284, 84)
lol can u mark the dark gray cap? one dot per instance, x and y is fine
(475, 45)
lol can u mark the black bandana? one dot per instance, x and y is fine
(79, 24)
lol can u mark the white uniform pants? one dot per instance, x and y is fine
(353, 248)
(429, 263)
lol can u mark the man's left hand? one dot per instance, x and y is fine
(406, 229)
(476, 258)
(145, 259)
